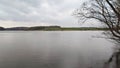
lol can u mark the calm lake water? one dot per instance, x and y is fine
(53, 49)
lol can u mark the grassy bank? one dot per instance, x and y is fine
(84, 28)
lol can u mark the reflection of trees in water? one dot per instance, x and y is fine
(114, 60)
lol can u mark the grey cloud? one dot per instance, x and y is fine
(18, 5)
(55, 2)
(33, 10)
(17, 8)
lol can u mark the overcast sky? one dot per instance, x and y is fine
(38, 12)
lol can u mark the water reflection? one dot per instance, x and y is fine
(37, 49)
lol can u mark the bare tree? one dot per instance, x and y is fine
(108, 13)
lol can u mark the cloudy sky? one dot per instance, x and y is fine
(38, 12)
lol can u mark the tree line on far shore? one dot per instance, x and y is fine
(51, 28)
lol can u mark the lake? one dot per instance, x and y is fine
(53, 49)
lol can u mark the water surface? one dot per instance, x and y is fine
(53, 49)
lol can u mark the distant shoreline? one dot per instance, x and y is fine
(52, 28)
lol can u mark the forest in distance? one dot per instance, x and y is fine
(51, 28)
